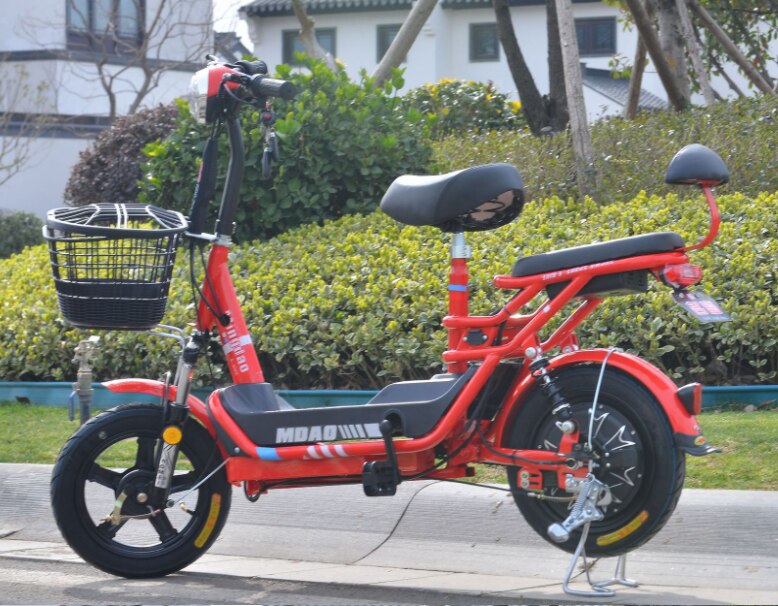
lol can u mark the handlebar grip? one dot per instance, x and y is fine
(270, 87)
(252, 68)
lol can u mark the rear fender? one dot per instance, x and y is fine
(687, 432)
(157, 388)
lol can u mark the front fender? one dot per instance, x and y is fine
(687, 432)
(157, 388)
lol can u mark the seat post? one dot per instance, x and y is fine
(458, 296)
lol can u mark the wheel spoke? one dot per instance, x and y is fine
(104, 477)
(182, 482)
(162, 525)
(108, 529)
(144, 459)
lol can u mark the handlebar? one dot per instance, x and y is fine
(251, 67)
(262, 86)
(220, 90)
(252, 76)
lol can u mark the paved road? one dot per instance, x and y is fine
(721, 547)
(69, 583)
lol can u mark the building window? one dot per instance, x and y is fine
(484, 42)
(385, 35)
(293, 44)
(596, 36)
(106, 26)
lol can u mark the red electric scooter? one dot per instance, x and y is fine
(593, 440)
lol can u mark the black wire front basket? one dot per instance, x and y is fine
(112, 263)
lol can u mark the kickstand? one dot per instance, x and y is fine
(619, 575)
(598, 587)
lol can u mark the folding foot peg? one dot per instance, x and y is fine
(380, 478)
(591, 494)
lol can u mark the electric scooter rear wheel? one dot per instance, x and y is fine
(100, 489)
(633, 446)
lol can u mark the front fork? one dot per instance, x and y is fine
(175, 414)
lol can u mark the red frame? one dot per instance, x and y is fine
(343, 461)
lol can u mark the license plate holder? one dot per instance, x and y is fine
(701, 306)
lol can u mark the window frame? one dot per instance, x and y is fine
(475, 28)
(382, 29)
(589, 24)
(288, 37)
(109, 42)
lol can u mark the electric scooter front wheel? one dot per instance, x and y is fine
(100, 491)
(635, 453)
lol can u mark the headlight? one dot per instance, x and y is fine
(198, 95)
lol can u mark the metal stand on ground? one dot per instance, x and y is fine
(82, 388)
(598, 587)
(619, 577)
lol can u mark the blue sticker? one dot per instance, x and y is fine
(458, 287)
(268, 454)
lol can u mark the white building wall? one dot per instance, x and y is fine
(60, 87)
(442, 49)
(32, 24)
(40, 185)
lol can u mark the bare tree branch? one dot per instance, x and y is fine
(636, 80)
(694, 53)
(582, 139)
(308, 36)
(650, 39)
(729, 46)
(129, 65)
(404, 39)
(18, 129)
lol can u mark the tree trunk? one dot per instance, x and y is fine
(404, 39)
(733, 51)
(308, 36)
(636, 80)
(556, 103)
(531, 101)
(671, 39)
(648, 33)
(694, 53)
(579, 126)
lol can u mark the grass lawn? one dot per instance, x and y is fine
(35, 434)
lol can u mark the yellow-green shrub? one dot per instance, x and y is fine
(357, 302)
(631, 155)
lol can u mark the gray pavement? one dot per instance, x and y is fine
(720, 547)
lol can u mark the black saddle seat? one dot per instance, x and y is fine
(695, 163)
(457, 201)
(646, 244)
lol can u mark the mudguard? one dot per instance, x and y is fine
(156, 388)
(687, 432)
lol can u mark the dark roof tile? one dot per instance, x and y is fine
(617, 89)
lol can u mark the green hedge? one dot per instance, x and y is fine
(632, 155)
(342, 144)
(358, 301)
(452, 107)
(18, 230)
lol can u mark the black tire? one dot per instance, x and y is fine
(647, 469)
(111, 455)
